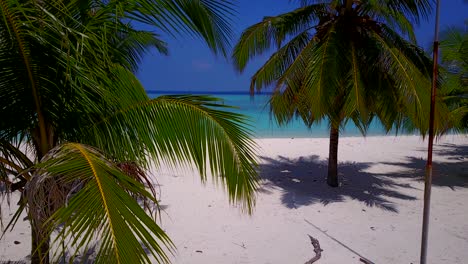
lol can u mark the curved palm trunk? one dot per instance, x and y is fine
(332, 178)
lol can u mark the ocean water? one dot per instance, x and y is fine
(264, 126)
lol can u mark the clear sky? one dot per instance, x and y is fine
(191, 66)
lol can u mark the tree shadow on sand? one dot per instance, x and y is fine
(303, 182)
(451, 173)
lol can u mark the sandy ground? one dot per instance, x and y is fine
(375, 213)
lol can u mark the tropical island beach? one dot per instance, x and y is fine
(233, 132)
(375, 213)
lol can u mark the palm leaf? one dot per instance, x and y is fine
(208, 19)
(283, 64)
(260, 37)
(356, 100)
(323, 86)
(165, 128)
(102, 209)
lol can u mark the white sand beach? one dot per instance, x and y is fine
(375, 213)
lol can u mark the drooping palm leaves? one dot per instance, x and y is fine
(343, 61)
(77, 129)
(99, 205)
(454, 51)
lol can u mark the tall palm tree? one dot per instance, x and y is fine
(78, 132)
(342, 60)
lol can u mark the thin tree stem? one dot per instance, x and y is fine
(332, 178)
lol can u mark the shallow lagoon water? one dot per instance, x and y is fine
(264, 126)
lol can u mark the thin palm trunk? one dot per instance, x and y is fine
(40, 240)
(332, 178)
(428, 179)
(40, 246)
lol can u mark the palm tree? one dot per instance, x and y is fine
(78, 132)
(341, 61)
(454, 51)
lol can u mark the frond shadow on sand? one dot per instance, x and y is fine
(453, 173)
(303, 180)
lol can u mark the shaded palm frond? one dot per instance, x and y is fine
(98, 203)
(131, 45)
(393, 19)
(414, 10)
(454, 50)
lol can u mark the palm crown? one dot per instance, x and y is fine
(343, 60)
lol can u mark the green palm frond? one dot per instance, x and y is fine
(15, 168)
(391, 18)
(409, 79)
(131, 45)
(454, 50)
(19, 84)
(99, 206)
(414, 10)
(209, 19)
(321, 78)
(414, 53)
(283, 64)
(165, 128)
(454, 44)
(272, 31)
(356, 100)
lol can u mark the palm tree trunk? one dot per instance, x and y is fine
(39, 247)
(40, 240)
(332, 178)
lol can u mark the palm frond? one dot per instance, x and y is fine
(262, 36)
(99, 205)
(356, 99)
(18, 84)
(289, 59)
(414, 10)
(323, 77)
(395, 20)
(208, 19)
(454, 49)
(164, 128)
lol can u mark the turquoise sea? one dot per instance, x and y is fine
(264, 126)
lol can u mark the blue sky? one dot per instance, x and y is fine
(192, 67)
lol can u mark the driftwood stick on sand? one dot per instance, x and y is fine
(317, 250)
(362, 259)
(366, 261)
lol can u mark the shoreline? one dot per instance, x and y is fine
(372, 135)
